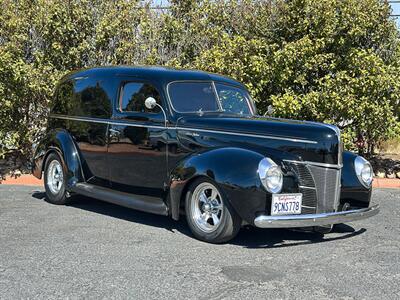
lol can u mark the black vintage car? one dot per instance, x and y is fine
(174, 142)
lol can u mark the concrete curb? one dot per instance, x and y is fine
(386, 183)
(27, 179)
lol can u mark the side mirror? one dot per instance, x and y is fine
(150, 103)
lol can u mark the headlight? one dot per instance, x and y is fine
(363, 170)
(270, 175)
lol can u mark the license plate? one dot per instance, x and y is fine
(286, 204)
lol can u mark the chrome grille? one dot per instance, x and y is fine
(303, 174)
(319, 185)
(309, 203)
(307, 187)
(327, 183)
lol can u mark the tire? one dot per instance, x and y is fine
(210, 216)
(55, 180)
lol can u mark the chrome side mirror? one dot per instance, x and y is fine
(150, 103)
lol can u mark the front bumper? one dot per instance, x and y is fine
(292, 221)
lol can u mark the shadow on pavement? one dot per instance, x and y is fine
(123, 213)
(252, 237)
(249, 237)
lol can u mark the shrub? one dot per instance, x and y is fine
(332, 61)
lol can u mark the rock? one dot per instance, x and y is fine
(380, 174)
(391, 175)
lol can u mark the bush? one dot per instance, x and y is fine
(331, 60)
(326, 61)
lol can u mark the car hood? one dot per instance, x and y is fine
(310, 140)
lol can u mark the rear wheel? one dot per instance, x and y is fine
(55, 180)
(209, 214)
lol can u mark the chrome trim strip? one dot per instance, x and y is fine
(270, 137)
(104, 121)
(306, 162)
(116, 122)
(292, 221)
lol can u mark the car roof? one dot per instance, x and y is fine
(161, 74)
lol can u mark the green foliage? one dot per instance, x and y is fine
(327, 61)
(332, 61)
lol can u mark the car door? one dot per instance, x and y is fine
(137, 142)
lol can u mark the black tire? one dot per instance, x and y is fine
(58, 197)
(230, 221)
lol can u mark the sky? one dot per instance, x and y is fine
(396, 11)
(395, 7)
(160, 2)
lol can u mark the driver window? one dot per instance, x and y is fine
(134, 94)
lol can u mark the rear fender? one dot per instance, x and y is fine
(61, 142)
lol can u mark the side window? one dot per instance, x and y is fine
(134, 94)
(86, 97)
(91, 98)
(63, 98)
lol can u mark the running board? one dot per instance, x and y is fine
(142, 203)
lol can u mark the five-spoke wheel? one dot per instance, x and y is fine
(206, 207)
(55, 177)
(209, 214)
(54, 180)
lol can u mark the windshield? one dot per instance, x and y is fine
(205, 96)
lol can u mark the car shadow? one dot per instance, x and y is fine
(252, 237)
(123, 213)
(249, 237)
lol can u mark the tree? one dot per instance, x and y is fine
(327, 61)
(334, 61)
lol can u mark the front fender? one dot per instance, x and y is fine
(352, 191)
(233, 169)
(61, 142)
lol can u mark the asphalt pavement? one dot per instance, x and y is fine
(93, 250)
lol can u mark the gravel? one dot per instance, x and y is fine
(92, 249)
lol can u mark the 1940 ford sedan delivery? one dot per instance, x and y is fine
(174, 142)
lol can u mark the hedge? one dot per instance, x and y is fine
(334, 61)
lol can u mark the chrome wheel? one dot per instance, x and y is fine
(206, 207)
(55, 177)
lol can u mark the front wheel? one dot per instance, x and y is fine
(55, 180)
(209, 214)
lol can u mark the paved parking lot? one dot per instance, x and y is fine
(96, 250)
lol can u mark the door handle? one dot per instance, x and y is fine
(115, 135)
(114, 131)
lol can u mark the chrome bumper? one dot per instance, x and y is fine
(291, 221)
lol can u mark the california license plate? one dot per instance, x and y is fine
(286, 204)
